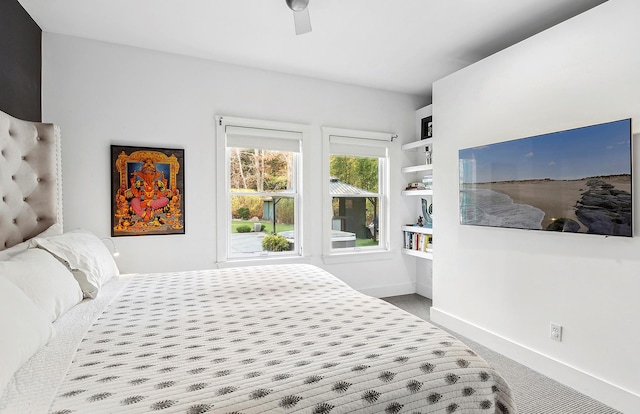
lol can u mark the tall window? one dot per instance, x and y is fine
(357, 190)
(262, 191)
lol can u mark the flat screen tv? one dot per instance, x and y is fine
(576, 181)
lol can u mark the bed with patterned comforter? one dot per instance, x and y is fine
(270, 339)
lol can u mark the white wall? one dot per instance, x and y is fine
(504, 286)
(102, 94)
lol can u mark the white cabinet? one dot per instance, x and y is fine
(416, 240)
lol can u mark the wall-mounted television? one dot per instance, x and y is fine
(576, 181)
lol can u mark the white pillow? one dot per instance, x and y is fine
(46, 281)
(6, 254)
(85, 255)
(24, 330)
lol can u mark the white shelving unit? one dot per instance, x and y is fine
(417, 144)
(416, 229)
(417, 192)
(423, 255)
(423, 167)
(417, 168)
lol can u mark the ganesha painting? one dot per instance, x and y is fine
(148, 191)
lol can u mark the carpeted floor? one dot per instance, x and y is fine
(534, 393)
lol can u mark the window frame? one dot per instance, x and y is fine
(356, 138)
(224, 194)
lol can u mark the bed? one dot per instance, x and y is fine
(263, 339)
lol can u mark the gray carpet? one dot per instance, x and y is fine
(534, 393)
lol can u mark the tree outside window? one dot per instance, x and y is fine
(263, 200)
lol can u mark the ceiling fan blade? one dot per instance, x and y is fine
(302, 21)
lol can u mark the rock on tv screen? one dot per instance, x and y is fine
(576, 181)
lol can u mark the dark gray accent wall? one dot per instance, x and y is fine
(20, 62)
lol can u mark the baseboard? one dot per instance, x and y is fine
(389, 290)
(596, 388)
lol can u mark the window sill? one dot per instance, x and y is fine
(354, 256)
(256, 261)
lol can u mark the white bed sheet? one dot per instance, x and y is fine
(267, 339)
(35, 384)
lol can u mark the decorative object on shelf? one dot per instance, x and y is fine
(147, 190)
(427, 155)
(427, 180)
(427, 211)
(419, 223)
(426, 129)
(415, 186)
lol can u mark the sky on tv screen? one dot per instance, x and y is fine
(597, 150)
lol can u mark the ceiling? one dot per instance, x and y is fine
(396, 45)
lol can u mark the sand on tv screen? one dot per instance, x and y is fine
(576, 181)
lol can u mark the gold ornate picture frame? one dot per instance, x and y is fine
(147, 191)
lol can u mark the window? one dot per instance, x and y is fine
(356, 201)
(260, 211)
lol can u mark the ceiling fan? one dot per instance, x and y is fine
(301, 18)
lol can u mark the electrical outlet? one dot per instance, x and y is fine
(555, 332)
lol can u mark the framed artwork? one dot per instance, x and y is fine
(426, 129)
(147, 191)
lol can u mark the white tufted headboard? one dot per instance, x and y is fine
(30, 179)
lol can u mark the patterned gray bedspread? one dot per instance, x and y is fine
(270, 339)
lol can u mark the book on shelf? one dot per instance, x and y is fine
(417, 241)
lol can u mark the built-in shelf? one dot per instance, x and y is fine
(415, 173)
(418, 229)
(424, 255)
(416, 168)
(417, 144)
(417, 192)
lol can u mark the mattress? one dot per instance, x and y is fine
(269, 339)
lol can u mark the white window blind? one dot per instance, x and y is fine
(268, 139)
(358, 146)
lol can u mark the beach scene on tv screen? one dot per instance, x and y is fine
(575, 181)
